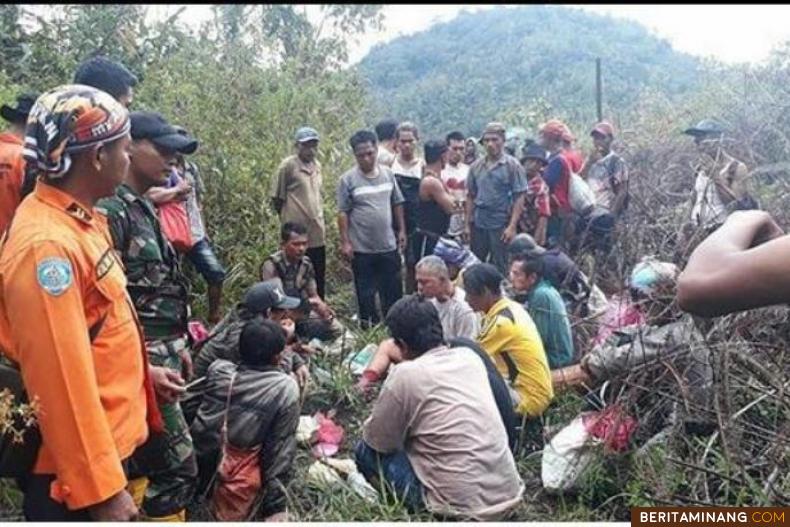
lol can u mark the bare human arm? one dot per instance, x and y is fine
(345, 243)
(740, 266)
(515, 214)
(470, 210)
(161, 195)
(397, 211)
(540, 230)
(432, 189)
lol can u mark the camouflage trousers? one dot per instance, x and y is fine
(173, 474)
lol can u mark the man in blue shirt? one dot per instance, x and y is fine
(496, 188)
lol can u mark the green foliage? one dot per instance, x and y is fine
(465, 72)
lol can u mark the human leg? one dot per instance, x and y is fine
(208, 265)
(317, 256)
(479, 244)
(387, 353)
(171, 486)
(389, 276)
(396, 470)
(365, 280)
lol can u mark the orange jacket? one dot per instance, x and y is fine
(12, 173)
(59, 279)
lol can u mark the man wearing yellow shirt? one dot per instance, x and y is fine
(511, 338)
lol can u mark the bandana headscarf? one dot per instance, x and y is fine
(554, 128)
(453, 253)
(650, 275)
(68, 119)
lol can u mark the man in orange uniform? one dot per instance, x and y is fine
(12, 164)
(65, 316)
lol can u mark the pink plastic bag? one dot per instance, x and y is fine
(197, 331)
(329, 436)
(611, 425)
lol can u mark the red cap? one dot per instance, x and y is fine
(603, 128)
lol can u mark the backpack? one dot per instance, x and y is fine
(580, 194)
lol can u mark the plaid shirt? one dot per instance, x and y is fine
(538, 196)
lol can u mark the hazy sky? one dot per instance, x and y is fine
(731, 33)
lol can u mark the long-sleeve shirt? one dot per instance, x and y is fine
(264, 409)
(511, 339)
(548, 311)
(67, 320)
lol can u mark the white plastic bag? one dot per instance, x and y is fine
(566, 457)
(581, 196)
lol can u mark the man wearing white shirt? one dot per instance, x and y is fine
(454, 177)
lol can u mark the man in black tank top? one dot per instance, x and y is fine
(435, 205)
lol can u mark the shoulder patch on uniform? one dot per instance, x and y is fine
(54, 275)
(105, 264)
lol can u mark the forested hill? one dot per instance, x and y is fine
(461, 73)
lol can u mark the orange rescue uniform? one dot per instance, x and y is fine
(12, 174)
(67, 320)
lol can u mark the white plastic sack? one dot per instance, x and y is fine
(581, 196)
(567, 456)
(597, 303)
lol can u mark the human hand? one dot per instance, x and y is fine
(347, 250)
(118, 508)
(302, 375)
(466, 236)
(324, 311)
(508, 234)
(168, 384)
(401, 240)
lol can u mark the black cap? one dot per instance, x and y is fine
(534, 151)
(154, 127)
(24, 103)
(524, 245)
(266, 295)
(705, 127)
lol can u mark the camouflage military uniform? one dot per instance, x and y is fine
(160, 296)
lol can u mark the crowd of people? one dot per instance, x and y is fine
(140, 415)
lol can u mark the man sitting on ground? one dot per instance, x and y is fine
(546, 308)
(433, 434)
(457, 318)
(558, 269)
(667, 339)
(263, 409)
(456, 257)
(293, 267)
(510, 337)
(223, 342)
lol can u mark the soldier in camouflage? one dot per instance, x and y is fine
(160, 295)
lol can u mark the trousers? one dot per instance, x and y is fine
(376, 273)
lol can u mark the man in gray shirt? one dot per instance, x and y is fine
(370, 210)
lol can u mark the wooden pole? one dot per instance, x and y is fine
(598, 90)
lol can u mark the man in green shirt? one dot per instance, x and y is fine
(546, 308)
